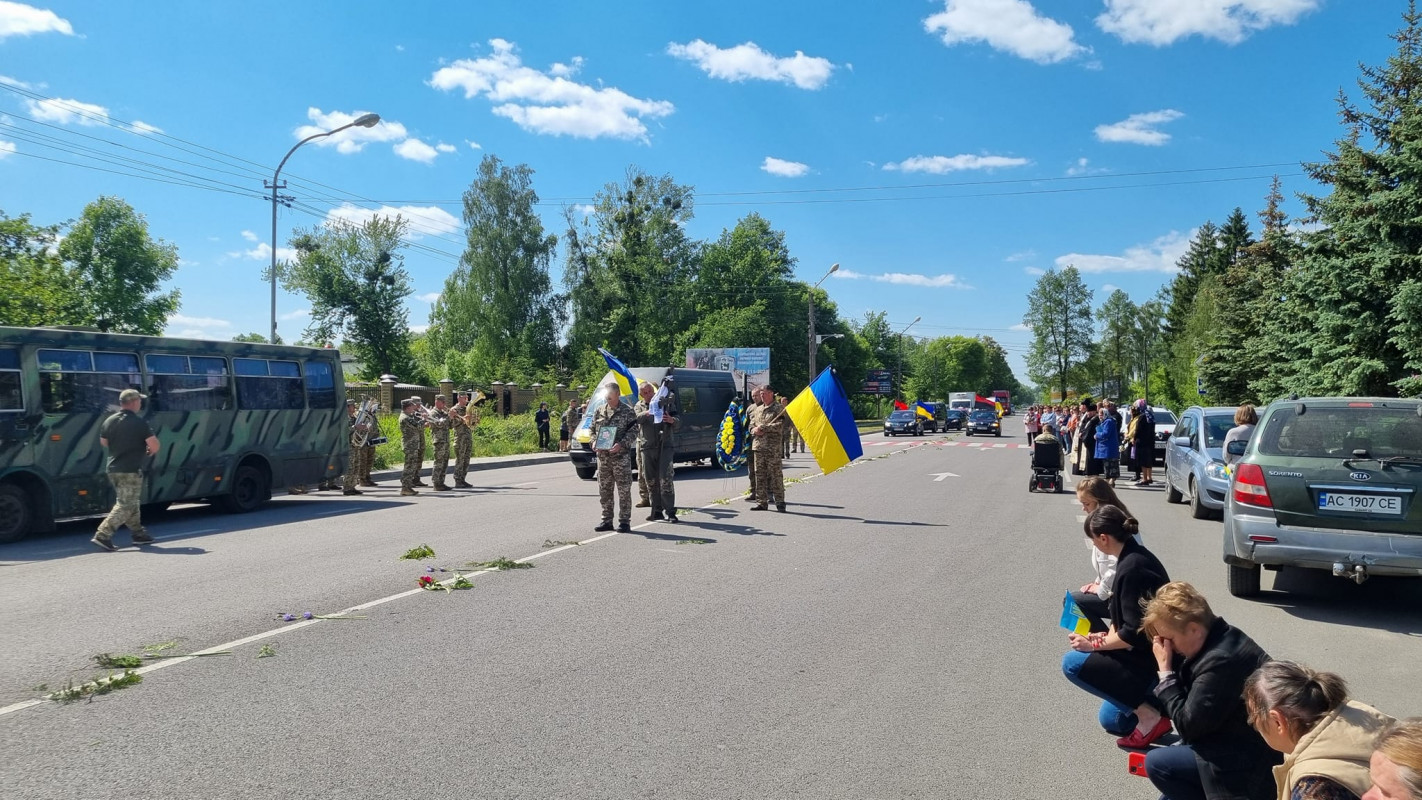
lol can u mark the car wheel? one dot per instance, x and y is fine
(586, 473)
(1172, 494)
(970, 433)
(1243, 581)
(15, 514)
(1032, 484)
(1197, 509)
(999, 434)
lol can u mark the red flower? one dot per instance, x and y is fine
(426, 580)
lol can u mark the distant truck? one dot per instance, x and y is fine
(1004, 397)
(961, 400)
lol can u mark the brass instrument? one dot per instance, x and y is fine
(365, 425)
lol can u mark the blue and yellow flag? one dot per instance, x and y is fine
(626, 381)
(923, 410)
(1072, 617)
(822, 415)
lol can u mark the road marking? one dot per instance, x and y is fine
(940, 476)
(1000, 445)
(525, 483)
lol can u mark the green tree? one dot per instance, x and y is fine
(498, 314)
(1149, 346)
(255, 338)
(879, 337)
(1059, 314)
(1118, 317)
(38, 290)
(117, 269)
(999, 372)
(356, 281)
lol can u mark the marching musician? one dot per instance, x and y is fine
(463, 439)
(348, 481)
(439, 425)
(412, 441)
(367, 450)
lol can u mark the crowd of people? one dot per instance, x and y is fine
(1100, 438)
(1246, 726)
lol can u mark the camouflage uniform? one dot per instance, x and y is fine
(614, 470)
(348, 481)
(439, 437)
(126, 475)
(463, 445)
(769, 479)
(412, 440)
(656, 455)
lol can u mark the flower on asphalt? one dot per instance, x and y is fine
(426, 581)
(307, 615)
(288, 617)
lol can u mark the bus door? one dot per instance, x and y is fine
(79, 389)
(15, 449)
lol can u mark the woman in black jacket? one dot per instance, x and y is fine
(1203, 663)
(1117, 666)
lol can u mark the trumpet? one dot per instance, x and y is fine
(365, 425)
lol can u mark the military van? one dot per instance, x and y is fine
(703, 395)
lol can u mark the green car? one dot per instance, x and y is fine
(1330, 483)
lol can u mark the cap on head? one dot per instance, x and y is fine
(350, 403)
(439, 398)
(129, 395)
(407, 402)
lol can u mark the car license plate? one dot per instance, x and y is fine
(1359, 503)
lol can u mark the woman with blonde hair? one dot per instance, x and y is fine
(1326, 738)
(1397, 764)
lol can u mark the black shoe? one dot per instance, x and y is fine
(439, 487)
(104, 544)
(654, 516)
(349, 492)
(605, 525)
(624, 527)
(672, 519)
(463, 485)
(780, 508)
(760, 507)
(142, 539)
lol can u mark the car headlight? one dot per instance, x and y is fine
(1217, 471)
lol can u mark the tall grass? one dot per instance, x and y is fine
(493, 436)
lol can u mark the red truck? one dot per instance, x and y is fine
(1004, 398)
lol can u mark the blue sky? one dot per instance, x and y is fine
(942, 152)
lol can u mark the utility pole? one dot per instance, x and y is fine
(814, 342)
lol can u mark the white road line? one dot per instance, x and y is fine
(525, 483)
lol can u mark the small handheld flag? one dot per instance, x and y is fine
(1072, 617)
(822, 415)
(626, 381)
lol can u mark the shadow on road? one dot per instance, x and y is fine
(1390, 604)
(670, 537)
(866, 521)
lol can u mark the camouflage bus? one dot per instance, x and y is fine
(234, 419)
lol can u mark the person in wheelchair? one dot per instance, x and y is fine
(1046, 462)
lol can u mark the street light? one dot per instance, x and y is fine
(363, 121)
(900, 382)
(815, 340)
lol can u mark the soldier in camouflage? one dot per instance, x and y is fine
(130, 442)
(348, 481)
(655, 451)
(439, 437)
(614, 464)
(459, 422)
(366, 455)
(767, 427)
(412, 440)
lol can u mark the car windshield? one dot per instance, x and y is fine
(900, 416)
(1163, 417)
(1216, 428)
(1324, 432)
(956, 413)
(981, 416)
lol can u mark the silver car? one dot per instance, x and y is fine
(1194, 460)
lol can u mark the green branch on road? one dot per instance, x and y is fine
(417, 553)
(501, 563)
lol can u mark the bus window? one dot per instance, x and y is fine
(320, 385)
(10, 399)
(175, 383)
(80, 381)
(263, 384)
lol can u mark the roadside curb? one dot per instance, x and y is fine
(482, 465)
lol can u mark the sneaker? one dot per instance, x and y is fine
(104, 544)
(349, 492)
(604, 526)
(408, 492)
(142, 538)
(624, 527)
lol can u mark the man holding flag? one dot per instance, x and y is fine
(767, 426)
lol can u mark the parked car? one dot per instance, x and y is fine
(1165, 423)
(905, 422)
(1194, 460)
(954, 419)
(1331, 483)
(984, 421)
(703, 396)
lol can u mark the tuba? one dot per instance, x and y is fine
(366, 429)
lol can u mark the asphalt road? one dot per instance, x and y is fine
(894, 636)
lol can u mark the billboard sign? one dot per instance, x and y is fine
(750, 365)
(879, 381)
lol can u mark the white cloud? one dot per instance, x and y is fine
(473, 145)
(6, 148)
(399, 48)
(1025, 255)
(1139, 128)
(143, 129)
(200, 324)
(416, 150)
(586, 209)
(424, 220)
(1012, 26)
(1020, 327)
(1037, 271)
(785, 169)
(249, 236)
(1082, 167)
(350, 140)
(548, 104)
(1108, 288)
(430, 297)
(747, 61)
(566, 70)
(1162, 22)
(940, 165)
(946, 280)
(18, 19)
(263, 252)
(424, 328)
(6, 80)
(1158, 256)
(64, 112)
(445, 148)
(299, 313)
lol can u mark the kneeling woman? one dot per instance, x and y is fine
(1117, 665)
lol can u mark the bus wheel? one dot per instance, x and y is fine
(15, 514)
(249, 491)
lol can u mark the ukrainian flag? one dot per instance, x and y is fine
(923, 410)
(626, 381)
(822, 415)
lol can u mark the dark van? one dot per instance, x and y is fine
(703, 394)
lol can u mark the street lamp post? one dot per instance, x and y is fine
(815, 340)
(900, 381)
(363, 121)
